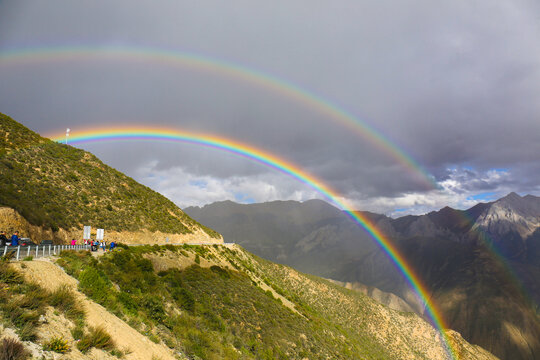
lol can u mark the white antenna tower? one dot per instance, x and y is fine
(67, 134)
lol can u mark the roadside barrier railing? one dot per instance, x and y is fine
(37, 251)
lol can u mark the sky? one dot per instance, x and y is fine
(452, 85)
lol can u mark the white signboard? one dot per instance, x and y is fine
(100, 233)
(86, 233)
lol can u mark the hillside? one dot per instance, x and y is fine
(59, 189)
(221, 302)
(313, 236)
(457, 253)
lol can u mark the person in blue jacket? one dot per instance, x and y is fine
(15, 239)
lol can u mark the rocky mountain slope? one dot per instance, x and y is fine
(213, 302)
(58, 189)
(490, 301)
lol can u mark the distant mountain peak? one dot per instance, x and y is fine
(511, 196)
(511, 213)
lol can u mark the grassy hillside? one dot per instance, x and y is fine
(57, 186)
(219, 302)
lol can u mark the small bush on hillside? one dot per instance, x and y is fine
(74, 262)
(8, 256)
(130, 304)
(122, 245)
(9, 275)
(64, 299)
(94, 284)
(56, 344)
(154, 307)
(12, 349)
(78, 331)
(35, 297)
(220, 271)
(25, 320)
(96, 337)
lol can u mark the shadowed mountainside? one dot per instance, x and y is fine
(457, 253)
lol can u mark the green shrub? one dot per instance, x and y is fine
(64, 299)
(24, 319)
(35, 297)
(28, 258)
(78, 331)
(9, 275)
(184, 298)
(56, 344)
(96, 337)
(75, 261)
(153, 306)
(154, 338)
(129, 303)
(95, 284)
(220, 271)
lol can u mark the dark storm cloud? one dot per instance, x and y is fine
(454, 84)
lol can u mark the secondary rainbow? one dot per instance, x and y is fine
(288, 168)
(37, 55)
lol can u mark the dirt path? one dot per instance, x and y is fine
(51, 276)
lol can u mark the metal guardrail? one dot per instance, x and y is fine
(37, 251)
(181, 244)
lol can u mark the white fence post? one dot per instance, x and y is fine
(18, 251)
(28, 253)
(5, 250)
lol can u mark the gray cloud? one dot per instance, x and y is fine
(454, 84)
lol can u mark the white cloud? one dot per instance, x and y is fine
(186, 189)
(461, 189)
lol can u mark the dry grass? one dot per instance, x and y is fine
(64, 299)
(12, 349)
(96, 337)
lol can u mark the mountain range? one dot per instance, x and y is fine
(482, 265)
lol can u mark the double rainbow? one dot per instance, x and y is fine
(236, 72)
(288, 168)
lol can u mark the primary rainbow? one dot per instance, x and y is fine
(37, 55)
(288, 168)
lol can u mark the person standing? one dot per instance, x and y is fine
(15, 239)
(73, 242)
(3, 238)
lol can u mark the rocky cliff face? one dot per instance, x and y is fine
(511, 214)
(11, 220)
